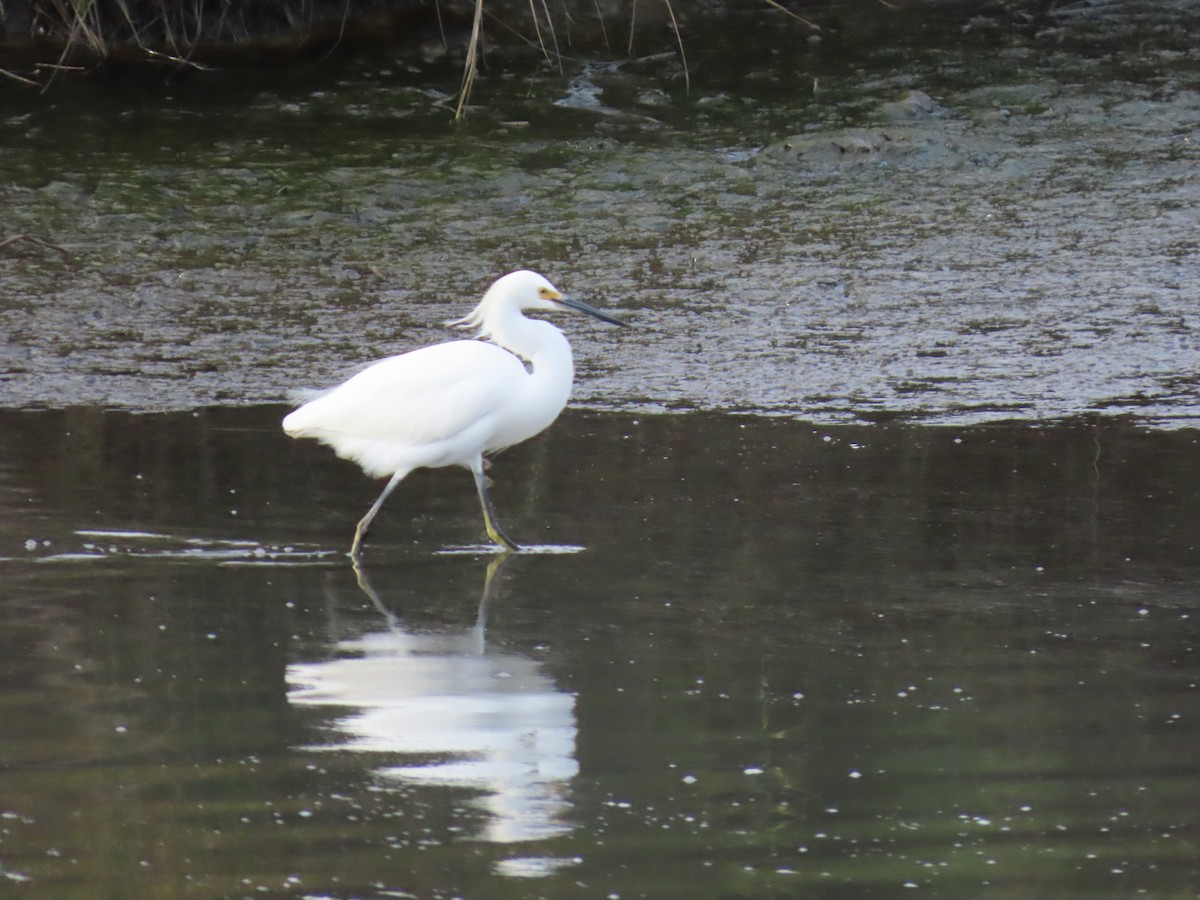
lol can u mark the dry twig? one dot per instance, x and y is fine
(472, 63)
(783, 9)
(687, 78)
(33, 240)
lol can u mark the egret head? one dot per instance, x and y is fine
(523, 290)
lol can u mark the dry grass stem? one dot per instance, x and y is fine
(537, 29)
(553, 34)
(600, 19)
(787, 12)
(687, 78)
(472, 63)
(21, 78)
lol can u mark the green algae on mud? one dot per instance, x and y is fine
(944, 236)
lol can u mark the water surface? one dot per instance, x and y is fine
(746, 658)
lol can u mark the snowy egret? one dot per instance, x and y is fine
(450, 404)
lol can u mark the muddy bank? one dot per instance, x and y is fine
(935, 236)
(203, 31)
(46, 42)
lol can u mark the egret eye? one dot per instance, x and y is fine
(545, 293)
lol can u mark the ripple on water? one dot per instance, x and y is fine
(100, 545)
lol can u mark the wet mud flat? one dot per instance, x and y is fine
(854, 230)
(764, 657)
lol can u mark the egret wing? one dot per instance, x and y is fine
(418, 398)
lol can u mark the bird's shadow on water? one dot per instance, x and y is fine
(441, 709)
(491, 581)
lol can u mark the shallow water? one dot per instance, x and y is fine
(744, 658)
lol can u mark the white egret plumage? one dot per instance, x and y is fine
(452, 403)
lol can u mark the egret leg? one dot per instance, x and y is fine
(364, 524)
(489, 515)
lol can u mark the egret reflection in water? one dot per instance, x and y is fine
(495, 721)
